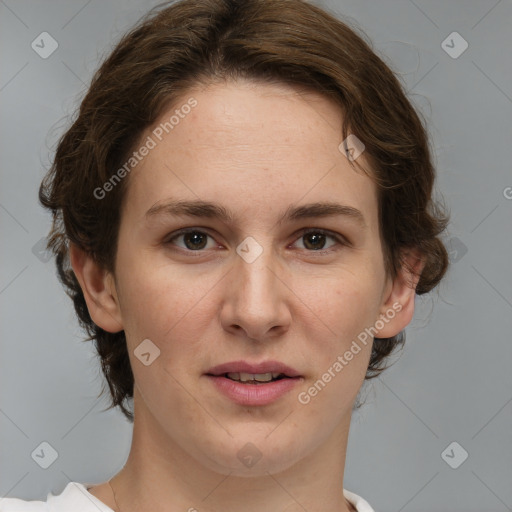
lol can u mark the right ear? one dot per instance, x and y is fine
(99, 290)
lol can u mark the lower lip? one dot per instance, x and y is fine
(253, 394)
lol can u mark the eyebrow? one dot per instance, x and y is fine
(206, 209)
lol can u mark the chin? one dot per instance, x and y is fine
(253, 455)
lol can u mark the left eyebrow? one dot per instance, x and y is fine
(206, 209)
(325, 209)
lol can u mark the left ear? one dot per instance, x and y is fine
(397, 308)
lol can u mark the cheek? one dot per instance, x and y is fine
(341, 356)
(342, 304)
(163, 307)
(155, 301)
(344, 307)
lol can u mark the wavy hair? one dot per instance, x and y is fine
(181, 44)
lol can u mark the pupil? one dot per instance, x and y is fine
(317, 237)
(195, 235)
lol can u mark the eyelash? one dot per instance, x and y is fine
(341, 241)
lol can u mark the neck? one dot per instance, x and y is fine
(160, 476)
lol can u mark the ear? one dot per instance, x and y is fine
(98, 287)
(397, 308)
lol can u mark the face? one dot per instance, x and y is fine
(258, 287)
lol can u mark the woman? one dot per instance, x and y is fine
(242, 217)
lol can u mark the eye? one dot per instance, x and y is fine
(315, 239)
(195, 240)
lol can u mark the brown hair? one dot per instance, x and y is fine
(192, 41)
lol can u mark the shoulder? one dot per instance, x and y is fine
(19, 505)
(74, 497)
(360, 504)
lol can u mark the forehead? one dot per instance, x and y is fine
(257, 147)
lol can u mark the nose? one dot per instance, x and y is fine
(256, 298)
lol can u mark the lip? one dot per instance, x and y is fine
(253, 394)
(246, 367)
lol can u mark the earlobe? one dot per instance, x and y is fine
(398, 306)
(98, 288)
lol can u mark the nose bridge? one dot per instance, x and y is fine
(255, 294)
(255, 268)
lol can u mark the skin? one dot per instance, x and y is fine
(255, 149)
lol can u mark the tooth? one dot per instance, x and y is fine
(251, 377)
(276, 374)
(263, 377)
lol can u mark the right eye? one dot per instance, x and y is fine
(194, 239)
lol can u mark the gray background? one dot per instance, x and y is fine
(453, 381)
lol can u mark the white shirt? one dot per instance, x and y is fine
(76, 498)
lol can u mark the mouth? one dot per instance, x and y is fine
(253, 384)
(255, 378)
(243, 371)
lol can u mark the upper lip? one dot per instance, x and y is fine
(253, 368)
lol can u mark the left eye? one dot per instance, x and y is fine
(316, 238)
(196, 240)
